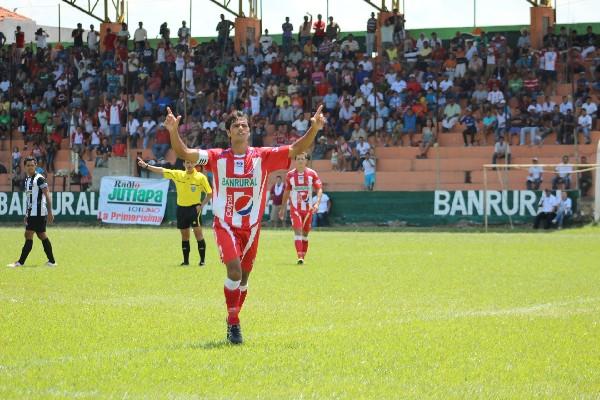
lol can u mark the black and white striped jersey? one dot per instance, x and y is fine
(36, 201)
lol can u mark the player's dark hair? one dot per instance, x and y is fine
(234, 117)
(29, 158)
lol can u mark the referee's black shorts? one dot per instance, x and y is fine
(188, 217)
(36, 224)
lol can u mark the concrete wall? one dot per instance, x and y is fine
(9, 26)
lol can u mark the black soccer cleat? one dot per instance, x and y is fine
(201, 264)
(300, 261)
(234, 334)
(184, 264)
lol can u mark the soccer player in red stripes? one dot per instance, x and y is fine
(238, 199)
(299, 185)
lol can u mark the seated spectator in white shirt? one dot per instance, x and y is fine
(321, 217)
(501, 150)
(301, 124)
(546, 210)
(565, 105)
(534, 178)
(563, 174)
(584, 125)
(495, 96)
(368, 166)
(451, 114)
(564, 209)
(590, 107)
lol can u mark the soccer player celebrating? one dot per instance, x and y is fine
(38, 213)
(299, 185)
(190, 184)
(239, 178)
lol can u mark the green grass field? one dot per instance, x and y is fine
(372, 315)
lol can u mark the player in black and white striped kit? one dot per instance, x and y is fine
(39, 211)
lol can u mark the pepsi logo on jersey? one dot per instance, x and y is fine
(243, 205)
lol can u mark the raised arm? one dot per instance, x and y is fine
(304, 143)
(182, 151)
(145, 165)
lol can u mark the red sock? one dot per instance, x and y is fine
(305, 246)
(299, 247)
(243, 294)
(232, 298)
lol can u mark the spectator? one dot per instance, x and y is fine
(501, 150)
(371, 31)
(276, 199)
(564, 209)
(103, 153)
(409, 126)
(305, 31)
(77, 36)
(546, 210)
(452, 113)
(428, 139)
(16, 158)
(119, 149)
(470, 127)
(566, 133)
(140, 36)
(224, 27)
(288, 30)
(368, 167)
(266, 42)
(123, 35)
(534, 177)
(162, 142)
(319, 28)
(92, 39)
(563, 174)
(19, 44)
(332, 30)
(321, 217)
(113, 113)
(584, 125)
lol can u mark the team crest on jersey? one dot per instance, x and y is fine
(193, 188)
(243, 205)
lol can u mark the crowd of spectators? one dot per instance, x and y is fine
(485, 86)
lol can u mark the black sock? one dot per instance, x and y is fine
(26, 250)
(202, 249)
(185, 247)
(48, 250)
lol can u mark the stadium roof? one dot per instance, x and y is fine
(7, 14)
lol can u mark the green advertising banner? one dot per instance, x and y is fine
(411, 208)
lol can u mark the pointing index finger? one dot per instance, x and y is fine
(319, 110)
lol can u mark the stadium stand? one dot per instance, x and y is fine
(48, 91)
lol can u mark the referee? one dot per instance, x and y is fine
(38, 212)
(190, 185)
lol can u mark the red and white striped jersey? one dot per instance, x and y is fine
(301, 185)
(239, 194)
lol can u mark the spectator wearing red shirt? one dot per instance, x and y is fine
(119, 149)
(162, 142)
(20, 43)
(109, 43)
(34, 132)
(319, 27)
(413, 86)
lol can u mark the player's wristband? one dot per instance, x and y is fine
(202, 157)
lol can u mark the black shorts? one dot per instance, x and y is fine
(188, 217)
(36, 224)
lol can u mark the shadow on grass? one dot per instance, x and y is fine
(208, 345)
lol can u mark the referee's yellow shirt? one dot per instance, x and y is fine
(189, 186)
